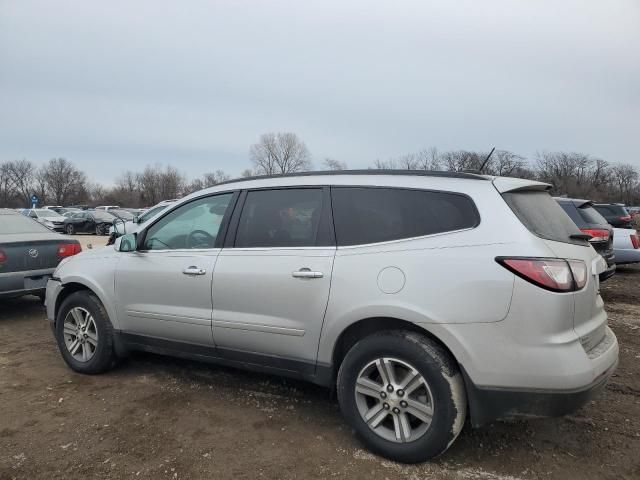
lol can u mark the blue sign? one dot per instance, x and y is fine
(34, 200)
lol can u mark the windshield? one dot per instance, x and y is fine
(11, 224)
(121, 213)
(102, 216)
(150, 213)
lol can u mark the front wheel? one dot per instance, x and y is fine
(84, 333)
(403, 394)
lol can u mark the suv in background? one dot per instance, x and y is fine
(421, 297)
(615, 213)
(590, 222)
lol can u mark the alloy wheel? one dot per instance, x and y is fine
(80, 334)
(394, 400)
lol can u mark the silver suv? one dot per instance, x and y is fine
(422, 298)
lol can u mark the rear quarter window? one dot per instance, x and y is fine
(542, 216)
(364, 215)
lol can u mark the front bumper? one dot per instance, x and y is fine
(54, 286)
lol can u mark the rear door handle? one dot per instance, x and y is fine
(194, 271)
(306, 273)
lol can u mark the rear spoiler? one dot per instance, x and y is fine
(508, 184)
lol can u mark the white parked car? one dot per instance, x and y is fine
(47, 217)
(106, 207)
(421, 297)
(626, 246)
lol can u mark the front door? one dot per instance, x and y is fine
(164, 288)
(270, 290)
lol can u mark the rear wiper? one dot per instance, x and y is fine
(580, 236)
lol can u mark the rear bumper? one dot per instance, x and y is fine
(608, 273)
(16, 284)
(488, 404)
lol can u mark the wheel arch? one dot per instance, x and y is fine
(75, 285)
(367, 326)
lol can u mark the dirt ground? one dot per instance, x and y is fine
(155, 417)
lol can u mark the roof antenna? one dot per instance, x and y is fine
(486, 160)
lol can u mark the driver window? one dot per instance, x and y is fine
(193, 225)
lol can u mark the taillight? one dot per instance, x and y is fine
(579, 272)
(69, 249)
(597, 234)
(635, 241)
(553, 274)
(3, 257)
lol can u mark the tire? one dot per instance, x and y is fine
(408, 355)
(69, 229)
(98, 229)
(98, 341)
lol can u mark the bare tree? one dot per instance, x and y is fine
(280, 153)
(333, 164)
(7, 185)
(63, 180)
(22, 175)
(211, 179)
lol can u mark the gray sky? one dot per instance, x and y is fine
(118, 85)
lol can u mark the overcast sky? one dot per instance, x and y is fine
(118, 85)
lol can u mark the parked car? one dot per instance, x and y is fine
(626, 246)
(49, 218)
(615, 213)
(89, 221)
(55, 208)
(106, 207)
(29, 253)
(591, 223)
(420, 297)
(120, 228)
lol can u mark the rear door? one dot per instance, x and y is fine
(271, 286)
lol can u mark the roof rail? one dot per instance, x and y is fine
(421, 173)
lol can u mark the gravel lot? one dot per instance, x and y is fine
(156, 417)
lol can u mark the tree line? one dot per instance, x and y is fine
(61, 182)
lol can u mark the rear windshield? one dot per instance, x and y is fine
(11, 224)
(612, 210)
(591, 215)
(542, 215)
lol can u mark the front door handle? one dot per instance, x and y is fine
(194, 271)
(306, 273)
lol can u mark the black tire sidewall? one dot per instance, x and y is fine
(104, 355)
(433, 363)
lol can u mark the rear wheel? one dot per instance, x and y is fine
(84, 333)
(403, 394)
(69, 229)
(99, 229)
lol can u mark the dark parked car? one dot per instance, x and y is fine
(590, 222)
(29, 253)
(89, 221)
(615, 213)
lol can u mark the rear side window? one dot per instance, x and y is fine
(11, 224)
(365, 215)
(542, 215)
(280, 218)
(612, 210)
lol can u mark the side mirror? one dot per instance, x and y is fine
(127, 243)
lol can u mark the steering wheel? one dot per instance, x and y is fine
(200, 239)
